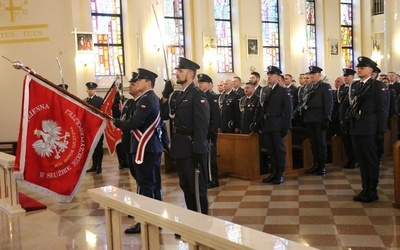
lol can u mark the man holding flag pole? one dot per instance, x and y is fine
(146, 147)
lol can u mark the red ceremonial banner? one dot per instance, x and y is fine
(112, 134)
(56, 140)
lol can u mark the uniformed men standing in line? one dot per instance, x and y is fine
(249, 106)
(229, 106)
(367, 123)
(215, 119)
(145, 123)
(276, 119)
(317, 114)
(96, 101)
(343, 97)
(189, 112)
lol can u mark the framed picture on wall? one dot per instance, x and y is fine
(252, 47)
(84, 42)
(334, 47)
(209, 43)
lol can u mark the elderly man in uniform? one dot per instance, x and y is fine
(215, 118)
(276, 117)
(98, 152)
(229, 106)
(145, 123)
(249, 106)
(367, 123)
(189, 112)
(317, 115)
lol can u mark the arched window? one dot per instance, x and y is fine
(346, 31)
(174, 30)
(223, 30)
(108, 39)
(270, 33)
(311, 33)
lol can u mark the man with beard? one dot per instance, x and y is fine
(189, 112)
(255, 79)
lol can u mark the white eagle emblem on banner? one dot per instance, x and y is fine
(51, 141)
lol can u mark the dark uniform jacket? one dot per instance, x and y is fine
(257, 90)
(145, 112)
(190, 114)
(250, 111)
(215, 115)
(396, 87)
(95, 100)
(230, 113)
(277, 110)
(373, 108)
(239, 92)
(319, 106)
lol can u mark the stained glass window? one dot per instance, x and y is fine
(107, 37)
(270, 33)
(174, 30)
(346, 32)
(311, 33)
(223, 30)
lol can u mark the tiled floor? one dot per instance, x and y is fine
(313, 210)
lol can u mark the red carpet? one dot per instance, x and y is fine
(30, 204)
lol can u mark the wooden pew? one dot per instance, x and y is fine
(196, 229)
(9, 147)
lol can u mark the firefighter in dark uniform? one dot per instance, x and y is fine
(122, 108)
(96, 101)
(189, 112)
(205, 82)
(317, 114)
(276, 120)
(145, 123)
(343, 97)
(249, 106)
(229, 106)
(367, 123)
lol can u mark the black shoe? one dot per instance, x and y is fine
(370, 196)
(178, 236)
(312, 170)
(98, 171)
(134, 230)
(321, 171)
(269, 179)
(360, 196)
(91, 170)
(278, 181)
(380, 161)
(213, 184)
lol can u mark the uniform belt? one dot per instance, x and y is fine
(269, 115)
(182, 131)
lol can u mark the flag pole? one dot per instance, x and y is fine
(20, 65)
